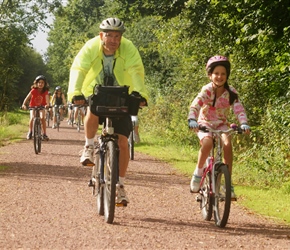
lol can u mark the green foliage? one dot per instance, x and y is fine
(18, 21)
(175, 40)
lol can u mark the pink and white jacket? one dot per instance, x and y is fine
(202, 109)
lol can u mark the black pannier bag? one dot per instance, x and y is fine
(113, 101)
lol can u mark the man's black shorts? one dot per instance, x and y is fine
(121, 126)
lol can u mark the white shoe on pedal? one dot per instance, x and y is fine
(194, 183)
(121, 196)
(87, 158)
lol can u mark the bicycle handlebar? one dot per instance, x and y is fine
(233, 128)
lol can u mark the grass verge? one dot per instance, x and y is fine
(12, 126)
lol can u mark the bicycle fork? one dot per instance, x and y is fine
(102, 152)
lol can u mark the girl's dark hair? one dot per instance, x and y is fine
(233, 95)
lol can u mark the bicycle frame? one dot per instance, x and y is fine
(216, 151)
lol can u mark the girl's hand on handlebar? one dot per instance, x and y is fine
(246, 128)
(192, 124)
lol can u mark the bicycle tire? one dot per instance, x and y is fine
(47, 118)
(37, 136)
(206, 203)
(57, 121)
(98, 185)
(79, 121)
(110, 172)
(131, 145)
(222, 199)
(72, 117)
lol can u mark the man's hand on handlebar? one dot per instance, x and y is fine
(143, 101)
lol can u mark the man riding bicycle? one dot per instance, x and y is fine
(108, 59)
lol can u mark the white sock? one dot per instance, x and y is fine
(121, 180)
(198, 171)
(89, 142)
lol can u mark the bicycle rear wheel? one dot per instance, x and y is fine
(37, 135)
(131, 145)
(110, 172)
(222, 199)
(206, 199)
(98, 185)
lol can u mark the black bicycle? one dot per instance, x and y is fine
(105, 173)
(37, 129)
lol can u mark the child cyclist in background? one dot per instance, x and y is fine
(59, 100)
(38, 96)
(210, 108)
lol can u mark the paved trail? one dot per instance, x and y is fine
(46, 204)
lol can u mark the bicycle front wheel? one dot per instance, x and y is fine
(206, 201)
(222, 199)
(131, 145)
(110, 172)
(37, 135)
(47, 117)
(98, 185)
(57, 121)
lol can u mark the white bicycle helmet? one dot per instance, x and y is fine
(112, 24)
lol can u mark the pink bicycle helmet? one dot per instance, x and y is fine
(218, 60)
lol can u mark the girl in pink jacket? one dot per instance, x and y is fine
(211, 108)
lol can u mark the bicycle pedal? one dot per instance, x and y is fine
(198, 198)
(88, 163)
(122, 204)
(91, 184)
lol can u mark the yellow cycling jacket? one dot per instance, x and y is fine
(88, 64)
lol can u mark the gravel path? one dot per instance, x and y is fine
(46, 204)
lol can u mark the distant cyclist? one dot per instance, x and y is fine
(38, 96)
(58, 99)
(79, 103)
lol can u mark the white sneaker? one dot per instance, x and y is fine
(87, 158)
(121, 196)
(194, 183)
(233, 195)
